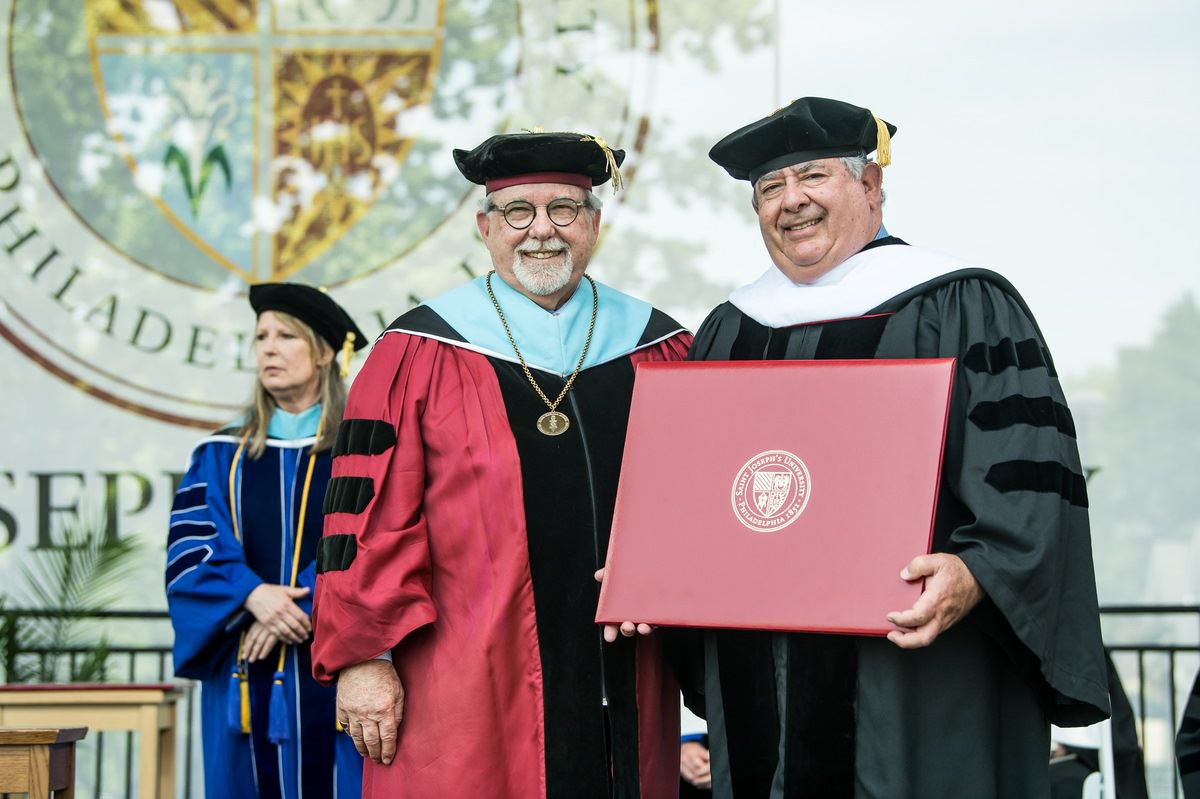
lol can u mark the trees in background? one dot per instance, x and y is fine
(1144, 437)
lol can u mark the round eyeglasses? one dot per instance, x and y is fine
(519, 214)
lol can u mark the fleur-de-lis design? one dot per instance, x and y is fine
(203, 116)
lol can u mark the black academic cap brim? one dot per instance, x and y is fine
(510, 156)
(311, 306)
(805, 130)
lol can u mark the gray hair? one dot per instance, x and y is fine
(855, 165)
(590, 201)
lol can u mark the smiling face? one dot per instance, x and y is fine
(815, 215)
(287, 366)
(545, 262)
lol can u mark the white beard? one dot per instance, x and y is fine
(540, 278)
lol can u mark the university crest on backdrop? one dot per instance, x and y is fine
(161, 155)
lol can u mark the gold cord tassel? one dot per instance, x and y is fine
(244, 686)
(610, 158)
(883, 143)
(238, 703)
(233, 511)
(347, 354)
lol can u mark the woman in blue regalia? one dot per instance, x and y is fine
(241, 570)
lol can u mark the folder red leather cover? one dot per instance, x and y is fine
(783, 495)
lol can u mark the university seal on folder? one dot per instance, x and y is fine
(782, 495)
(770, 491)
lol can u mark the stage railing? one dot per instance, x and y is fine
(1156, 649)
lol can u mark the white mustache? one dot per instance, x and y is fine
(549, 245)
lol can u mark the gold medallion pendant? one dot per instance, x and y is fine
(553, 423)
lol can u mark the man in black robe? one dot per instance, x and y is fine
(1005, 639)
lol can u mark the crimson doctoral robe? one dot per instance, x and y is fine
(464, 541)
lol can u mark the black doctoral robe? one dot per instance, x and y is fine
(807, 715)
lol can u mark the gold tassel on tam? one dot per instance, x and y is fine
(347, 353)
(610, 158)
(883, 143)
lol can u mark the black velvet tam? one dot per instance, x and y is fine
(311, 306)
(512, 155)
(806, 130)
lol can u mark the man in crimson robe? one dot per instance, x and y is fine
(957, 701)
(472, 494)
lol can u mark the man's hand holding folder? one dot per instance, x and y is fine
(950, 593)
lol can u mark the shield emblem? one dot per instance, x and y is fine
(264, 132)
(771, 490)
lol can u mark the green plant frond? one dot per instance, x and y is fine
(45, 575)
(27, 669)
(105, 578)
(93, 667)
(85, 575)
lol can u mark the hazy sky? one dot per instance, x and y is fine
(1054, 142)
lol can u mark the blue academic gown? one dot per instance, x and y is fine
(208, 577)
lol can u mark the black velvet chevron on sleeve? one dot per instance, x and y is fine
(348, 494)
(364, 437)
(1047, 477)
(335, 553)
(1017, 409)
(1006, 354)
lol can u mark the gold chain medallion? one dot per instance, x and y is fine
(555, 422)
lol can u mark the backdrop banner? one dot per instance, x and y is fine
(159, 156)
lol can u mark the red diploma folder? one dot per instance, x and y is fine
(781, 495)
